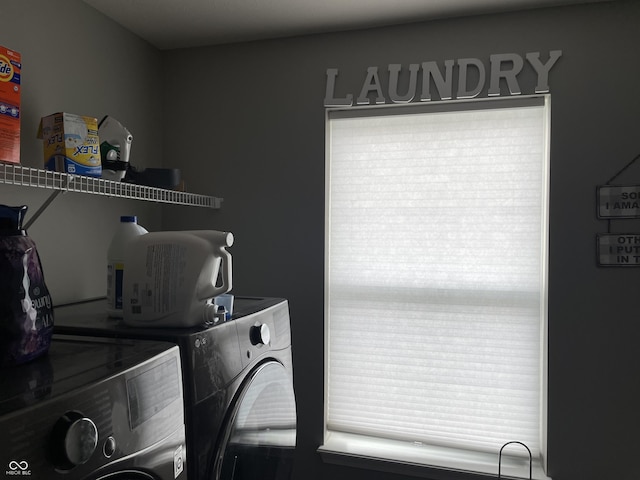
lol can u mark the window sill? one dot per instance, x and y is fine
(438, 463)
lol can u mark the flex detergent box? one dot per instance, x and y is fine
(10, 66)
(71, 144)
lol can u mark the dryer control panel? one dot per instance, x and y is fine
(263, 331)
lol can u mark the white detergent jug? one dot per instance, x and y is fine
(127, 229)
(172, 277)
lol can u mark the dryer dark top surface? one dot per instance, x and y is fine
(71, 363)
(91, 316)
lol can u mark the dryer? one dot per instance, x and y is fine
(239, 401)
(94, 409)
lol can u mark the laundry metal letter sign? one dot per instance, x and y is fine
(471, 74)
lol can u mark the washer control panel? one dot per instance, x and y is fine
(91, 405)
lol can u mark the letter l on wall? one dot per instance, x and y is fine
(329, 99)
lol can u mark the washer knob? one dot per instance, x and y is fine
(74, 439)
(260, 334)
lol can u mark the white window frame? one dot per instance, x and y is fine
(440, 463)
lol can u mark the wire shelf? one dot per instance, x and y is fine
(34, 177)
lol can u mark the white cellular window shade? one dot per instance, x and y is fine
(436, 274)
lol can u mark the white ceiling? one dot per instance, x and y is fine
(169, 24)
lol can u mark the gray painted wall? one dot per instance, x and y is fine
(246, 122)
(250, 123)
(78, 61)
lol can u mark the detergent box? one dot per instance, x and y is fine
(71, 144)
(10, 66)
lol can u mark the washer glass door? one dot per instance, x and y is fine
(260, 438)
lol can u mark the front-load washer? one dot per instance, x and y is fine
(240, 405)
(94, 409)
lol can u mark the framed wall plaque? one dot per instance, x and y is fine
(618, 201)
(619, 250)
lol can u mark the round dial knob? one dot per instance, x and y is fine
(74, 439)
(260, 334)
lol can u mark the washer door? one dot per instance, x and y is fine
(260, 437)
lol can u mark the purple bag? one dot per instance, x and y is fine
(26, 309)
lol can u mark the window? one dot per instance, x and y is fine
(436, 283)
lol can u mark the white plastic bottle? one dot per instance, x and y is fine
(126, 231)
(172, 278)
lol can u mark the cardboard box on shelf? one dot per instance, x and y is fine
(10, 68)
(71, 144)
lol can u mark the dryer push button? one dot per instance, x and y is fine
(109, 447)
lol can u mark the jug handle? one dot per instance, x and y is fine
(211, 289)
(225, 272)
(219, 241)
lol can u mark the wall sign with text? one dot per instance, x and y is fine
(462, 78)
(619, 250)
(619, 201)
